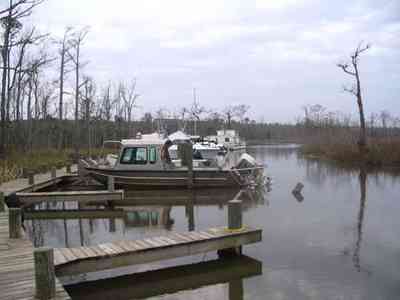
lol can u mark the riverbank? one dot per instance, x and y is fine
(381, 152)
(38, 161)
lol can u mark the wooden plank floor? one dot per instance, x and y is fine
(17, 268)
(41, 180)
(73, 261)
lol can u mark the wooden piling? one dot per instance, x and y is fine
(14, 223)
(53, 172)
(234, 224)
(25, 173)
(2, 202)
(110, 184)
(44, 273)
(68, 168)
(234, 214)
(31, 178)
(186, 155)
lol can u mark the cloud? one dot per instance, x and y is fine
(237, 50)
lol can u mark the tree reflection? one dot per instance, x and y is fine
(360, 218)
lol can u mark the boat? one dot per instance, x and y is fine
(229, 139)
(203, 149)
(139, 165)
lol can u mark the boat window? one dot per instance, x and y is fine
(227, 139)
(153, 155)
(137, 155)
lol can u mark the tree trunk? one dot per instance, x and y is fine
(362, 142)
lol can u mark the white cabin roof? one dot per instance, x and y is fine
(146, 139)
(178, 136)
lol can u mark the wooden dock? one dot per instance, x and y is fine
(73, 261)
(80, 196)
(17, 267)
(41, 181)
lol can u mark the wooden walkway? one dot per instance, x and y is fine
(80, 196)
(41, 181)
(17, 267)
(73, 261)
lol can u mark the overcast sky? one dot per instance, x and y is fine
(274, 55)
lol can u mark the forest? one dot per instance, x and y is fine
(51, 110)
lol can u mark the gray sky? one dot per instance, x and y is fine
(274, 55)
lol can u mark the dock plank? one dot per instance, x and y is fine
(41, 180)
(123, 253)
(17, 276)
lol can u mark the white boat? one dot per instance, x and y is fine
(139, 164)
(229, 139)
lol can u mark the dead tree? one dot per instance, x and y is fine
(355, 90)
(74, 53)
(129, 97)
(65, 45)
(10, 19)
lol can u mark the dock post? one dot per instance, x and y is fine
(2, 202)
(53, 172)
(14, 222)
(25, 173)
(234, 214)
(44, 273)
(68, 168)
(234, 223)
(185, 152)
(31, 178)
(110, 184)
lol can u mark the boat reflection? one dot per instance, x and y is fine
(223, 278)
(141, 213)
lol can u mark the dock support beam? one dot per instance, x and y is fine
(2, 202)
(14, 223)
(111, 184)
(234, 223)
(44, 273)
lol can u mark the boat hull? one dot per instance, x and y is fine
(165, 178)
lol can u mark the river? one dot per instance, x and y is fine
(340, 240)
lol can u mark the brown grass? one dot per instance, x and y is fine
(38, 162)
(381, 152)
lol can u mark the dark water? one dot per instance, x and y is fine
(341, 240)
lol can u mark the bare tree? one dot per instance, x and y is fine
(74, 53)
(353, 70)
(127, 93)
(65, 45)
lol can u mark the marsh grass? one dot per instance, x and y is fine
(381, 151)
(38, 161)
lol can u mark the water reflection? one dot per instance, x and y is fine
(217, 275)
(360, 219)
(70, 224)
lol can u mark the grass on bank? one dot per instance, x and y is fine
(38, 161)
(381, 152)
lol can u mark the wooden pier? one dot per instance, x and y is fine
(17, 274)
(79, 196)
(73, 261)
(36, 182)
